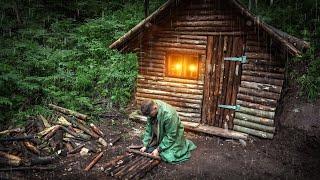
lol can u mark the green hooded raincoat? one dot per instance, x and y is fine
(173, 145)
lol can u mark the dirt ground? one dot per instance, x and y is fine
(294, 153)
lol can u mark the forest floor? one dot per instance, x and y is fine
(294, 153)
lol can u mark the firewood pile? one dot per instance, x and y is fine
(132, 165)
(45, 140)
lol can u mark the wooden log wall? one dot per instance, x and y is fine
(184, 30)
(261, 85)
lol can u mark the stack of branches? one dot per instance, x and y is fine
(45, 140)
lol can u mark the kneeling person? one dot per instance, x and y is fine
(164, 135)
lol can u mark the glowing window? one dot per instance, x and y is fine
(182, 66)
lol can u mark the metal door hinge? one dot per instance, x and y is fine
(236, 107)
(242, 59)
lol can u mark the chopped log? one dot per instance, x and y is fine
(135, 146)
(255, 119)
(44, 121)
(82, 127)
(253, 132)
(77, 149)
(68, 112)
(123, 171)
(120, 163)
(96, 129)
(10, 162)
(78, 135)
(18, 138)
(31, 147)
(63, 121)
(28, 168)
(147, 168)
(113, 161)
(46, 131)
(44, 160)
(144, 154)
(252, 125)
(51, 133)
(138, 168)
(256, 112)
(68, 147)
(9, 131)
(263, 74)
(94, 161)
(10, 158)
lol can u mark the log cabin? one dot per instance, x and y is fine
(213, 60)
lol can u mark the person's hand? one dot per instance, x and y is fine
(155, 153)
(143, 149)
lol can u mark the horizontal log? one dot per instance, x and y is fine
(178, 45)
(261, 86)
(166, 93)
(181, 41)
(263, 62)
(189, 115)
(257, 43)
(206, 18)
(257, 100)
(148, 73)
(255, 119)
(255, 105)
(206, 12)
(180, 50)
(144, 154)
(170, 84)
(176, 104)
(150, 64)
(263, 74)
(204, 33)
(170, 79)
(156, 86)
(161, 35)
(9, 131)
(150, 55)
(150, 69)
(262, 68)
(150, 61)
(253, 132)
(167, 98)
(258, 55)
(259, 93)
(256, 112)
(68, 111)
(263, 80)
(203, 23)
(252, 125)
(249, 48)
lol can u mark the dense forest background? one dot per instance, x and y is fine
(56, 51)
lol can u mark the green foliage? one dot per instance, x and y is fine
(59, 54)
(301, 19)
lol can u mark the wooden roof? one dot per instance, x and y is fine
(293, 45)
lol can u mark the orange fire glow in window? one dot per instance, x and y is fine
(182, 66)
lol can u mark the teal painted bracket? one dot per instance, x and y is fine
(236, 107)
(242, 59)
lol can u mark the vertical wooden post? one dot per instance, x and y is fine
(146, 8)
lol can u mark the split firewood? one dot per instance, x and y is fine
(147, 168)
(10, 158)
(112, 143)
(96, 129)
(114, 161)
(44, 121)
(130, 167)
(114, 164)
(52, 132)
(140, 167)
(47, 130)
(144, 154)
(68, 112)
(94, 161)
(85, 129)
(44, 160)
(77, 149)
(135, 146)
(103, 142)
(68, 147)
(31, 147)
(9, 131)
(9, 162)
(74, 134)
(63, 121)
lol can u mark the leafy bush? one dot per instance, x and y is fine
(59, 54)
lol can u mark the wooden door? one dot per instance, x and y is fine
(222, 79)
